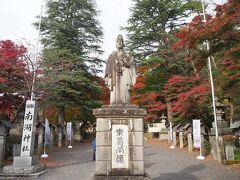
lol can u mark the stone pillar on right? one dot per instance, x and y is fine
(222, 126)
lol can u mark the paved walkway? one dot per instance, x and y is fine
(161, 163)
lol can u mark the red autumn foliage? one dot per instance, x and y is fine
(13, 77)
(186, 92)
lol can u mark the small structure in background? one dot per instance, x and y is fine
(223, 129)
(4, 131)
(53, 129)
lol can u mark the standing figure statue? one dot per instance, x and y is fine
(120, 74)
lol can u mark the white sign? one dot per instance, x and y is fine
(27, 145)
(196, 133)
(120, 149)
(69, 130)
(155, 127)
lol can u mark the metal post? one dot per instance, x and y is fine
(36, 55)
(212, 86)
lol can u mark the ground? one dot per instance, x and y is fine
(161, 162)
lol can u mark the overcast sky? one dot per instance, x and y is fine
(17, 16)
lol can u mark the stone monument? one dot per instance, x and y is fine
(223, 129)
(26, 163)
(119, 138)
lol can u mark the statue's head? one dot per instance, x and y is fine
(120, 43)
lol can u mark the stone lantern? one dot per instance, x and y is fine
(222, 125)
(163, 135)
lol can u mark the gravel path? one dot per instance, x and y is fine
(161, 163)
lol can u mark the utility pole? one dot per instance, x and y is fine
(36, 55)
(212, 86)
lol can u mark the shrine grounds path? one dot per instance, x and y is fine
(161, 163)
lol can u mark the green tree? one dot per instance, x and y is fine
(71, 35)
(151, 33)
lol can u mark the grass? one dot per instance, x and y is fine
(237, 154)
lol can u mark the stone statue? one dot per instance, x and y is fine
(120, 74)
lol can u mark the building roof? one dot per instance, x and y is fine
(235, 125)
(6, 123)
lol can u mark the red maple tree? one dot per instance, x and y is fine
(14, 77)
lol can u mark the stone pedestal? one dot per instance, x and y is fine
(51, 140)
(111, 122)
(59, 139)
(229, 152)
(190, 142)
(217, 149)
(163, 135)
(169, 136)
(77, 136)
(2, 149)
(223, 129)
(181, 140)
(40, 142)
(175, 138)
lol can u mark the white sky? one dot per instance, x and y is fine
(17, 16)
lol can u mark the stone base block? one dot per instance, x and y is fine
(163, 136)
(22, 170)
(25, 161)
(120, 178)
(222, 131)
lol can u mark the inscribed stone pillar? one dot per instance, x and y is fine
(181, 139)
(26, 163)
(2, 149)
(190, 143)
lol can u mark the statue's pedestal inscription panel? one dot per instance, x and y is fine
(120, 156)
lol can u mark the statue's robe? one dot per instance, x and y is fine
(120, 75)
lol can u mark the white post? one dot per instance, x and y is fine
(212, 88)
(69, 133)
(36, 56)
(171, 136)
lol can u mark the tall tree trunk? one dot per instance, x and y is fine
(61, 115)
(169, 111)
